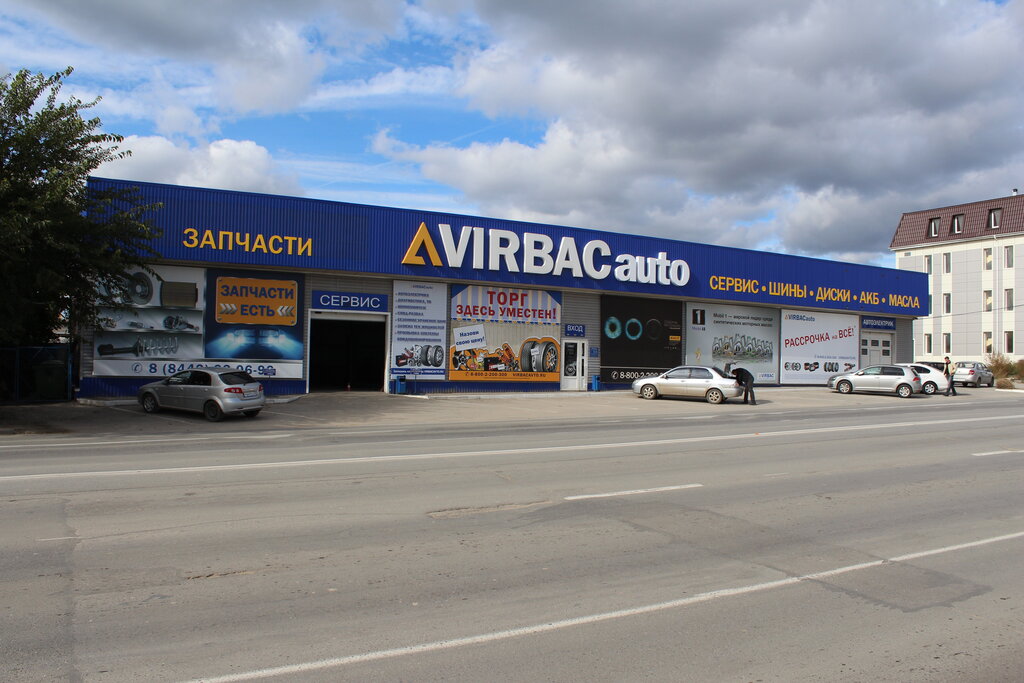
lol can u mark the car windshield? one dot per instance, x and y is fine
(236, 377)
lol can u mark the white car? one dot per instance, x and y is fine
(973, 373)
(933, 380)
(693, 381)
(900, 380)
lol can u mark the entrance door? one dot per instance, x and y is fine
(574, 365)
(347, 353)
(875, 348)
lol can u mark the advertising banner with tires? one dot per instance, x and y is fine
(816, 346)
(504, 334)
(419, 327)
(639, 337)
(744, 336)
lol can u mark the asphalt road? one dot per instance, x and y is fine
(814, 537)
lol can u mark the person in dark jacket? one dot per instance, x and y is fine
(746, 379)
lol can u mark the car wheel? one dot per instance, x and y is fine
(526, 356)
(904, 391)
(992, 382)
(438, 356)
(150, 404)
(844, 387)
(548, 358)
(929, 388)
(648, 391)
(213, 412)
(714, 396)
(251, 413)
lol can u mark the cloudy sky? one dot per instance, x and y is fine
(797, 126)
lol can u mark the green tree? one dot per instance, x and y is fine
(64, 247)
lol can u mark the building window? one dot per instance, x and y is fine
(994, 218)
(1008, 256)
(1008, 299)
(1008, 342)
(928, 264)
(957, 225)
(987, 255)
(947, 342)
(928, 344)
(947, 263)
(987, 341)
(986, 298)
(947, 303)
(933, 227)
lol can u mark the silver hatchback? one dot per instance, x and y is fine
(894, 379)
(694, 381)
(214, 392)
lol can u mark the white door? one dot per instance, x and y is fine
(574, 365)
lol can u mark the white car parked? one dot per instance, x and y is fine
(932, 379)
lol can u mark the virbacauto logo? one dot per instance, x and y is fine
(503, 250)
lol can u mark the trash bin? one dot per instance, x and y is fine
(400, 385)
(595, 382)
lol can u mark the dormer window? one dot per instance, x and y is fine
(933, 227)
(995, 216)
(957, 226)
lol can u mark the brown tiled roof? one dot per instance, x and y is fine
(913, 227)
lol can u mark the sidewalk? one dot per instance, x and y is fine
(348, 409)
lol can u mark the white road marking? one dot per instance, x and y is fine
(981, 455)
(633, 492)
(477, 454)
(494, 636)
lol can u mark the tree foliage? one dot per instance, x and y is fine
(64, 247)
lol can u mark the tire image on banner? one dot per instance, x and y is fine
(639, 337)
(501, 334)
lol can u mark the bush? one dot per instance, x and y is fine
(1001, 366)
(1005, 383)
(1019, 370)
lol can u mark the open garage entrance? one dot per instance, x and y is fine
(347, 353)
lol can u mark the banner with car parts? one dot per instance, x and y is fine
(419, 329)
(504, 334)
(815, 346)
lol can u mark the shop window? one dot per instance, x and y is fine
(956, 226)
(995, 216)
(987, 254)
(933, 227)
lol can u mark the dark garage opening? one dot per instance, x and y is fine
(346, 354)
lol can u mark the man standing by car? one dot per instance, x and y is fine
(949, 370)
(746, 379)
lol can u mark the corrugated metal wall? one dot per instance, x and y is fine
(904, 352)
(584, 308)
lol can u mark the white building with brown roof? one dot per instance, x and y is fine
(969, 252)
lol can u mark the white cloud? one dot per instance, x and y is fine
(223, 164)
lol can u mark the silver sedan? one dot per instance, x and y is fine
(692, 381)
(214, 392)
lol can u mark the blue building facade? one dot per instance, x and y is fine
(309, 294)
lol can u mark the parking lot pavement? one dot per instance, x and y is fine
(350, 409)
